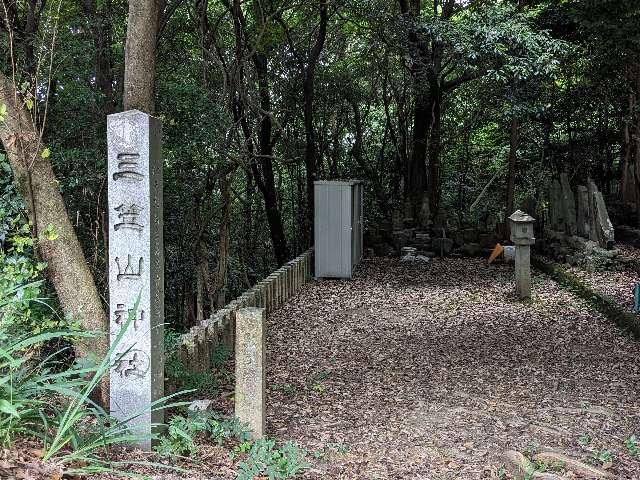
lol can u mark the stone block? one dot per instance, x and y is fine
(250, 363)
(582, 214)
(200, 405)
(606, 236)
(136, 269)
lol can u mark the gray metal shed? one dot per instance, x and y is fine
(338, 227)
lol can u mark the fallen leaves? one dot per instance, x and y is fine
(23, 462)
(432, 371)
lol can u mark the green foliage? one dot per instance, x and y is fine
(264, 459)
(584, 439)
(207, 382)
(23, 306)
(42, 399)
(603, 456)
(182, 432)
(633, 448)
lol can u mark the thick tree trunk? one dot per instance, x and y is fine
(67, 268)
(140, 56)
(309, 155)
(417, 169)
(635, 143)
(434, 178)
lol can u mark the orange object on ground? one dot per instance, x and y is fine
(497, 251)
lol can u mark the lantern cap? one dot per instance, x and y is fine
(520, 217)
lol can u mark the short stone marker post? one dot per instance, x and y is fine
(250, 369)
(522, 236)
(136, 269)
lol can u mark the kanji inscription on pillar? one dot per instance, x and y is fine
(136, 269)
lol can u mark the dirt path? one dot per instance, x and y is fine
(433, 371)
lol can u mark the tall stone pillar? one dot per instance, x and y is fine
(522, 237)
(250, 369)
(136, 269)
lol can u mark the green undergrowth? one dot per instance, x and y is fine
(262, 458)
(183, 432)
(602, 303)
(48, 402)
(206, 383)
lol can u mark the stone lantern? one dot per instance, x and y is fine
(521, 226)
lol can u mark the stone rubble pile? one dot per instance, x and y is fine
(404, 238)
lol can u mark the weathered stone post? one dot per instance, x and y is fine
(136, 268)
(522, 237)
(250, 369)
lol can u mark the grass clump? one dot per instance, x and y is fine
(48, 401)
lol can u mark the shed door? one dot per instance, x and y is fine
(360, 220)
(356, 213)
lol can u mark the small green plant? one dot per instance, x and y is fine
(604, 457)
(242, 447)
(315, 383)
(180, 438)
(502, 473)
(265, 459)
(584, 439)
(632, 446)
(286, 388)
(318, 387)
(339, 448)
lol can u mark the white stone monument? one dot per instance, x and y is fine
(522, 237)
(251, 369)
(136, 269)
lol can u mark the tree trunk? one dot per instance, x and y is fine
(264, 177)
(514, 139)
(220, 280)
(140, 56)
(56, 240)
(417, 169)
(248, 236)
(310, 154)
(434, 178)
(635, 137)
(356, 151)
(100, 26)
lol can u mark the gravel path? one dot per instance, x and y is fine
(432, 371)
